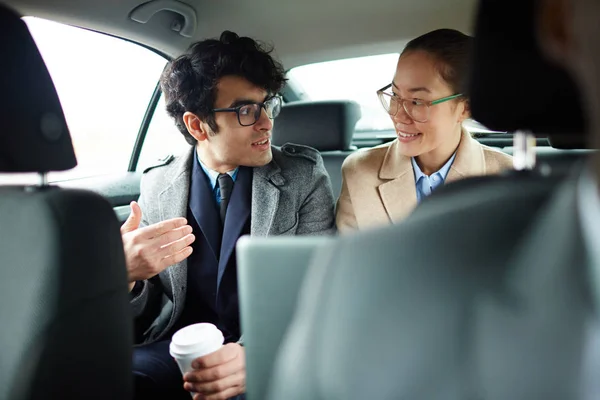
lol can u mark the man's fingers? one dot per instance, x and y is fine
(172, 236)
(222, 389)
(134, 219)
(226, 394)
(155, 245)
(147, 258)
(176, 258)
(214, 374)
(225, 354)
(175, 247)
(160, 228)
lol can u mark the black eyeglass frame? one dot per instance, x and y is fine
(258, 111)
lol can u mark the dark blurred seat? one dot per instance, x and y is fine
(64, 308)
(448, 304)
(513, 87)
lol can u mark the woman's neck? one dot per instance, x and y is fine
(433, 161)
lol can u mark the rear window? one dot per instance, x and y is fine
(355, 79)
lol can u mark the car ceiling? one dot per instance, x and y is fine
(302, 31)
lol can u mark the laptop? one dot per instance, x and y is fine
(270, 274)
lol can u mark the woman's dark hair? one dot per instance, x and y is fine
(189, 83)
(452, 51)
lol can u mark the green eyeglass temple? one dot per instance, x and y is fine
(431, 103)
(434, 102)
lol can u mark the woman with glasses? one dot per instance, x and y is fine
(427, 103)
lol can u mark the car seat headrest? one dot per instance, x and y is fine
(33, 132)
(324, 125)
(513, 86)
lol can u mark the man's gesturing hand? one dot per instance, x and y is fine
(151, 249)
(218, 376)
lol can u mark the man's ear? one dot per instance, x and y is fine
(195, 126)
(554, 30)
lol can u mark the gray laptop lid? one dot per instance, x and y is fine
(270, 273)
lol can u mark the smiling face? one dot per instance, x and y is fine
(417, 77)
(233, 145)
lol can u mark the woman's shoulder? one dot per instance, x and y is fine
(495, 159)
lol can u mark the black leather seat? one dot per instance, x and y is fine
(66, 323)
(328, 126)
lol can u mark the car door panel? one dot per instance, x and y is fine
(119, 189)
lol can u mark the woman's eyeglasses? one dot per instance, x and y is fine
(417, 110)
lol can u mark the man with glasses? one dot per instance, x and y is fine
(222, 95)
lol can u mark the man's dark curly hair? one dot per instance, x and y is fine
(189, 83)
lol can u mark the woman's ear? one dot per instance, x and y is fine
(465, 110)
(195, 126)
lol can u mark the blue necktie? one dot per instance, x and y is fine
(225, 187)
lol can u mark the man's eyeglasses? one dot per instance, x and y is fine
(417, 110)
(248, 114)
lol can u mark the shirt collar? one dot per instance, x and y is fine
(212, 174)
(443, 172)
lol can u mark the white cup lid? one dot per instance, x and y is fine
(199, 339)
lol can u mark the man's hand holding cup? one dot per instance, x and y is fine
(210, 370)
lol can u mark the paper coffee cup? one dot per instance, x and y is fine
(194, 341)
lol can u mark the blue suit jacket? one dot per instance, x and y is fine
(212, 273)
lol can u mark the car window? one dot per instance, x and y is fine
(356, 79)
(162, 139)
(104, 85)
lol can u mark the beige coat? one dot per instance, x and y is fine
(378, 184)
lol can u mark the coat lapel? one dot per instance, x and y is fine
(265, 198)
(469, 161)
(204, 209)
(532, 332)
(172, 203)
(237, 215)
(398, 194)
